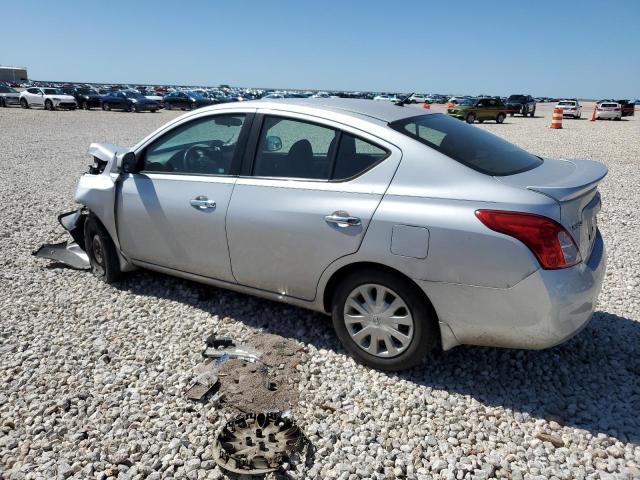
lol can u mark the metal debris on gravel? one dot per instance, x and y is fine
(257, 443)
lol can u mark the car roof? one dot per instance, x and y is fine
(383, 111)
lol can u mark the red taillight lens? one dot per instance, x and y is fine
(549, 241)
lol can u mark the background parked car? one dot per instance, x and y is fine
(9, 96)
(129, 101)
(48, 98)
(521, 104)
(628, 108)
(186, 100)
(86, 97)
(480, 109)
(570, 108)
(608, 110)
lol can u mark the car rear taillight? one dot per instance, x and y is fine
(617, 109)
(549, 241)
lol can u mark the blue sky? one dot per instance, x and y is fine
(559, 48)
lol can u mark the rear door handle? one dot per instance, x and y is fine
(202, 203)
(343, 219)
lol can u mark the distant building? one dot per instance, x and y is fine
(13, 74)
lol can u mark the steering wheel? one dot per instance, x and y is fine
(200, 159)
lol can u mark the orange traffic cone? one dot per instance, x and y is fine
(593, 115)
(556, 118)
(426, 106)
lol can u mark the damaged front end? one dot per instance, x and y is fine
(71, 253)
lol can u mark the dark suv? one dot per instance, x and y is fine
(86, 97)
(522, 104)
(628, 107)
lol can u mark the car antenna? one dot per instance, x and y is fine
(403, 101)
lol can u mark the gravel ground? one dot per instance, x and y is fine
(92, 377)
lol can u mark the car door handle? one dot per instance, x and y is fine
(202, 203)
(343, 219)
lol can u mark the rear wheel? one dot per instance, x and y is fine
(106, 106)
(500, 118)
(470, 118)
(167, 106)
(2, 104)
(101, 251)
(525, 111)
(383, 320)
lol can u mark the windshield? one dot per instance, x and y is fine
(51, 91)
(467, 144)
(466, 101)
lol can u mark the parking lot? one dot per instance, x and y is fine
(92, 377)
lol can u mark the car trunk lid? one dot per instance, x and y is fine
(573, 184)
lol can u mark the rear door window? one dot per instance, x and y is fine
(355, 156)
(291, 148)
(467, 144)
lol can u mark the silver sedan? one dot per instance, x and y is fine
(412, 229)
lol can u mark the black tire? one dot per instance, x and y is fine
(525, 111)
(137, 109)
(84, 105)
(48, 105)
(24, 103)
(425, 335)
(2, 104)
(106, 107)
(480, 120)
(167, 106)
(470, 118)
(533, 113)
(500, 118)
(511, 114)
(129, 108)
(101, 251)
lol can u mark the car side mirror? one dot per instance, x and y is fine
(274, 144)
(128, 163)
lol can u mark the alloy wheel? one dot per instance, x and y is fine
(378, 320)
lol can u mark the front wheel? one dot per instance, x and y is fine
(532, 114)
(500, 118)
(48, 105)
(2, 104)
(101, 251)
(470, 118)
(383, 320)
(106, 106)
(24, 103)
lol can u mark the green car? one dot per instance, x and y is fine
(480, 109)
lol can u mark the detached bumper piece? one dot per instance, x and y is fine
(70, 253)
(255, 444)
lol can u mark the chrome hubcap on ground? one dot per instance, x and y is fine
(378, 320)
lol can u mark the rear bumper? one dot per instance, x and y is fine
(606, 114)
(570, 113)
(545, 309)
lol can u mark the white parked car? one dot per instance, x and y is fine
(386, 98)
(570, 108)
(417, 98)
(608, 111)
(155, 97)
(48, 98)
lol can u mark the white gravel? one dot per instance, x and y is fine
(92, 377)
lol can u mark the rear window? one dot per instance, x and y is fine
(468, 144)
(567, 103)
(608, 104)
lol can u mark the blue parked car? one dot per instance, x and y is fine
(129, 101)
